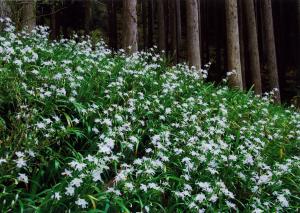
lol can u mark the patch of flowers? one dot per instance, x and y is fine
(82, 128)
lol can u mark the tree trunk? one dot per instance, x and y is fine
(5, 10)
(205, 35)
(172, 31)
(54, 22)
(130, 44)
(193, 50)
(269, 41)
(178, 29)
(161, 25)
(233, 45)
(145, 23)
(112, 24)
(87, 15)
(28, 16)
(242, 43)
(252, 44)
(199, 26)
(298, 49)
(150, 22)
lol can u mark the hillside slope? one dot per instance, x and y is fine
(82, 129)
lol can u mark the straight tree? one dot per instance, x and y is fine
(161, 24)
(252, 44)
(233, 45)
(112, 23)
(130, 44)
(150, 22)
(5, 10)
(28, 14)
(178, 28)
(269, 41)
(87, 15)
(193, 46)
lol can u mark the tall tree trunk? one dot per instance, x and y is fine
(161, 25)
(242, 43)
(112, 24)
(252, 44)
(130, 44)
(233, 45)
(218, 39)
(145, 23)
(172, 31)
(87, 15)
(150, 22)
(269, 40)
(204, 32)
(178, 29)
(5, 10)
(54, 25)
(298, 49)
(28, 14)
(193, 50)
(199, 26)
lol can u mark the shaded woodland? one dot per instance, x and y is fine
(257, 39)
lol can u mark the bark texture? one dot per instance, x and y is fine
(161, 24)
(5, 10)
(269, 41)
(87, 15)
(193, 50)
(112, 24)
(233, 45)
(130, 44)
(252, 44)
(28, 14)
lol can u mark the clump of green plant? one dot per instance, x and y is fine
(82, 130)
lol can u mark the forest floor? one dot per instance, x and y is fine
(86, 130)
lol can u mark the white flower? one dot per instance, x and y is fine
(200, 198)
(104, 149)
(2, 160)
(96, 174)
(22, 177)
(67, 173)
(133, 139)
(20, 162)
(107, 122)
(129, 186)
(20, 154)
(41, 125)
(230, 204)
(249, 159)
(76, 182)
(70, 190)
(144, 187)
(56, 196)
(82, 203)
(282, 200)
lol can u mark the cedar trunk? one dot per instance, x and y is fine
(178, 29)
(253, 52)
(150, 22)
(269, 41)
(87, 15)
(112, 24)
(28, 16)
(193, 50)
(130, 44)
(5, 10)
(161, 25)
(233, 45)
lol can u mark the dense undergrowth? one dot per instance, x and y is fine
(82, 130)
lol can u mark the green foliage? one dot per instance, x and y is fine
(82, 130)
